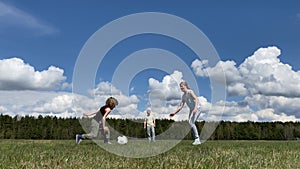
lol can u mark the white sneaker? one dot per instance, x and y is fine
(196, 142)
(107, 142)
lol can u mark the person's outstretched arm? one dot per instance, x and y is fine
(178, 109)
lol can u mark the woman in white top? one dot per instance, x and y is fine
(191, 100)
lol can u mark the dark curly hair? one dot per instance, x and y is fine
(111, 102)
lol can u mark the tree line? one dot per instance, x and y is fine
(48, 127)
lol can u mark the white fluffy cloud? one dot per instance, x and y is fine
(35, 103)
(261, 73)
(270, 115)
(17, 75)
(168, 89)
(165, 96)
(268, 88)
(267, 84)
(271, 76)
(59, 103)
(280, 104)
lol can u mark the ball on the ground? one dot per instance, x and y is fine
(122, 140)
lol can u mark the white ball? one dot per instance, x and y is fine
(122, 140)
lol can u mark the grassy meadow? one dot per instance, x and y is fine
(62, 154)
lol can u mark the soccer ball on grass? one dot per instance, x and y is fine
(122, 140)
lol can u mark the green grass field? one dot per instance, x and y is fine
(64, 154)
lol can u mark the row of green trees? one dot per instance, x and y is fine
(48, 127)
(29, 127)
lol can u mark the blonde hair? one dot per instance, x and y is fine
(185, 84)
(111, 102)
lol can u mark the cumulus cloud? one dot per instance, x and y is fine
(3, 109)
(12, 17)
(165, 96)
(261, 73)
(17, 75)
(57, 104)
(271, 76)
(44, 103)
(168, 88)
(279, 104)
(268, 90)
(270, 115)
(265, 83)
(237, 89)
(199, 67)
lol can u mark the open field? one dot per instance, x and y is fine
(212, 154)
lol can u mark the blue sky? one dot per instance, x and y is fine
(257, 42)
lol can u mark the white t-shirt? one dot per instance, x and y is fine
(150, 120)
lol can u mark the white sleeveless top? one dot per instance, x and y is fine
(188, 99)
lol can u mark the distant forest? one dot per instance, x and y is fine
(29, 127)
